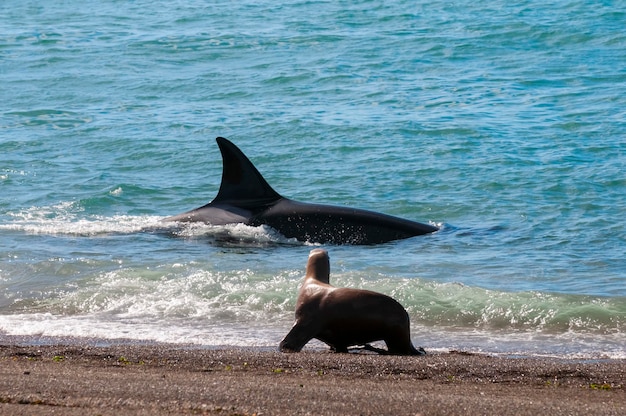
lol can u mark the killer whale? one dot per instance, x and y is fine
(245, 197)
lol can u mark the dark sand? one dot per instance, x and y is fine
(138, 380)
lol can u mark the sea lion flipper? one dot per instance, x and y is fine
(296, 339)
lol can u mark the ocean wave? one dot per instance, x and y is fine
(198, 292)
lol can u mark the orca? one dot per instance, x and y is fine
(246, 197)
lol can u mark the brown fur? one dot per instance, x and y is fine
(344, 317)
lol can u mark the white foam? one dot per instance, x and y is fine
(234, 233)
(268, 334)
(91, 326)
(523, 343)
(65, 219)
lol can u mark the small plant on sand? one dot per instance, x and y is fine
(552, 383)
(603, 386)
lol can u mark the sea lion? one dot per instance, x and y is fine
(344, 317)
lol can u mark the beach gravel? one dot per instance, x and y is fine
(148, 380)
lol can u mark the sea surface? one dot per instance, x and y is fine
(502, 122)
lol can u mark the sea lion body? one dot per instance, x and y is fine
(344, 317)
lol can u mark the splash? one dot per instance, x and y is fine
(205, 304)
(68, 219)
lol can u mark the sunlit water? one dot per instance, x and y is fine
(503, 123)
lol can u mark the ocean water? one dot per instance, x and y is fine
(503, 123)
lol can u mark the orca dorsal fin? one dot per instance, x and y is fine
(242, 184)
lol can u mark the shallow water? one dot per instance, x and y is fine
(502, 123)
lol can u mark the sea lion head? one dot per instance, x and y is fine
(318, 266)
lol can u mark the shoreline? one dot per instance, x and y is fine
(132, 379)
(312, 346)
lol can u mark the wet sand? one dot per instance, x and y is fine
(148, 380)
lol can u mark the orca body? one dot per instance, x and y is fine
(245, 197)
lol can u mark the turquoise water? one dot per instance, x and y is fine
(504, 123)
